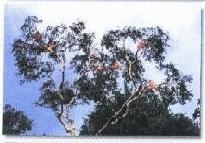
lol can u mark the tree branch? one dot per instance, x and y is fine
(116, 115)
(60, 115)
(130, 69)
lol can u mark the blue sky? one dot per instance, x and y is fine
(183, 26)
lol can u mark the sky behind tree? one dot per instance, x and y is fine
(182, 25)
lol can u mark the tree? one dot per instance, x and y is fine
(197, 111)
(196, 114)
(15, 122)
(147, 116)
(37, 54)
(110, 73)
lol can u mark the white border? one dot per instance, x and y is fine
(188, 4)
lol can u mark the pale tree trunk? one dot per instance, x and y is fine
(63, 116)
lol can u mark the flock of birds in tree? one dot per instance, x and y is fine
(52, 46)
(151, 85)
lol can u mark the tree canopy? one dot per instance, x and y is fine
(15, 122)
(147, 116)
(110, 73)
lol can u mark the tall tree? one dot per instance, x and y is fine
(15, 122)
(129, 83)
(38, 53)
(110, 73)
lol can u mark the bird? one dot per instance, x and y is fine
(151, 85)
(37, 36)
(142, 44)
(115, 65)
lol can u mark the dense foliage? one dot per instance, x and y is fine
(148, 116)
(15, 122)
(110, 73)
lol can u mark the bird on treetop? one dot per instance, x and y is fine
(151, 85)
(116, 65)
(142, 44)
